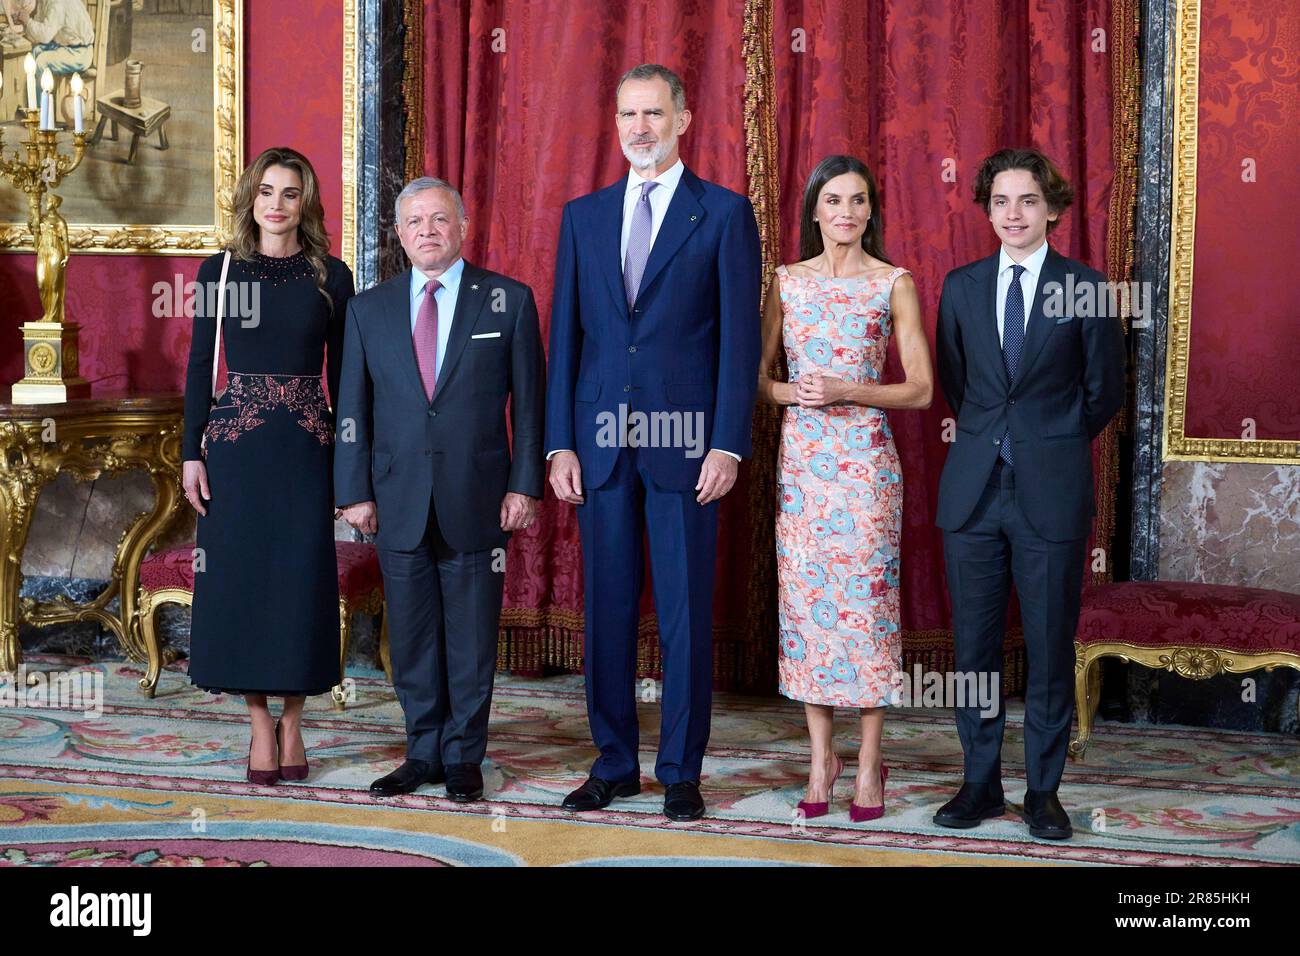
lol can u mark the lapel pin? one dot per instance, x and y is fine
(692, 218)
(474, 287)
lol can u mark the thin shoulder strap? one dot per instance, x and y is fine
(221, 311)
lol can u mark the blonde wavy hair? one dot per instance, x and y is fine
(313, 238)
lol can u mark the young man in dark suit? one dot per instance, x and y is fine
(1032, 362)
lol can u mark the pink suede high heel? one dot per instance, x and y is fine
(811, 810)
(862, 814)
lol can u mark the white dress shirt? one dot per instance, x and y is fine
(1028, 281)
(446, 300)
(660, 199)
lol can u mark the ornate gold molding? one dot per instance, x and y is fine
(228, 160)
(1182, 242)
(1192, 662)
(351, 30)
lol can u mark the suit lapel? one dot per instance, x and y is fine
(683, 216)
(609, 237)
(984, 294)
(397, 312)
(1040, 325)
(469, 301)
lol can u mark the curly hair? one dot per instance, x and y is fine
(312, 236)
(1057, 191)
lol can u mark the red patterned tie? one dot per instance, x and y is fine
(425, 338)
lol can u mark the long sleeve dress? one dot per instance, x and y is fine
(265, 618)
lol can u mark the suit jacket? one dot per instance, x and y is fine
(690, 344)
(406, 453)
(1070, 384)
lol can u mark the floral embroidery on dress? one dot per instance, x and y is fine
(250, 396)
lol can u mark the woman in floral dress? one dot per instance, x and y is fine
(839, 521)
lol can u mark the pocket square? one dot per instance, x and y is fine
(486, 335)
(1064, 319)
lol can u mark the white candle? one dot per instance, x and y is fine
(29, 64)
(47, 100)
(77, 114)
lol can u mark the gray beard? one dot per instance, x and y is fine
(657, 155)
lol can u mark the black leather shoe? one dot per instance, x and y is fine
(464, 782)
(974, 802)
(406, 778)
(682, 801)
(597, 792)
(1046, 817)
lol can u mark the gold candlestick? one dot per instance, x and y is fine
(49, 345)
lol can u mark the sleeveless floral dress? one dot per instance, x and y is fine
(839, 520)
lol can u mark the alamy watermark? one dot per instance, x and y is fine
(637, 429)
(1088, 299)
(74, 690)
(947, 689)
(242, 303)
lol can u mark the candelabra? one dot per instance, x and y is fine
(49, 345)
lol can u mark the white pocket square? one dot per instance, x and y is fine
(486, 335)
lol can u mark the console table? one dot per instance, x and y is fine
(106, 434)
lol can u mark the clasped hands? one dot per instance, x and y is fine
(815, 389)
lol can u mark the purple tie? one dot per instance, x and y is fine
(638, 244)
(425, 338)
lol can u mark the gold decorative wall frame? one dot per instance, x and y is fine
(351, 137)
(1178, 445)
(227, 158)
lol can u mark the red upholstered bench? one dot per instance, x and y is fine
(167, 577)
(1195, 630)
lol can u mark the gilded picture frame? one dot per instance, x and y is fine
(1177, 444)
(208, 234)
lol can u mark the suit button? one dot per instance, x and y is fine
(1011, 401)
(432, 413)
(627, 388)
(997, 441)
(631, 348)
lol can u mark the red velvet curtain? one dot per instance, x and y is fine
(517, 109)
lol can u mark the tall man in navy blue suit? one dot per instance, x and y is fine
(653, 362)
(1031, 358)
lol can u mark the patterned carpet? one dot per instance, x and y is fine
(157, 783)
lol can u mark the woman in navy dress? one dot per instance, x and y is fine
(258, 461)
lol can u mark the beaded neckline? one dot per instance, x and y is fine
(281, 269)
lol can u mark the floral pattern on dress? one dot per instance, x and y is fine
(250, 396)
(840, 514)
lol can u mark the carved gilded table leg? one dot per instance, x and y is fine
(21, 480)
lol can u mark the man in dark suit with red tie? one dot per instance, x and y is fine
(430, 359)
(1034, 370)
(656, 314)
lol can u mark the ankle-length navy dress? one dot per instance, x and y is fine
(265, 618)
